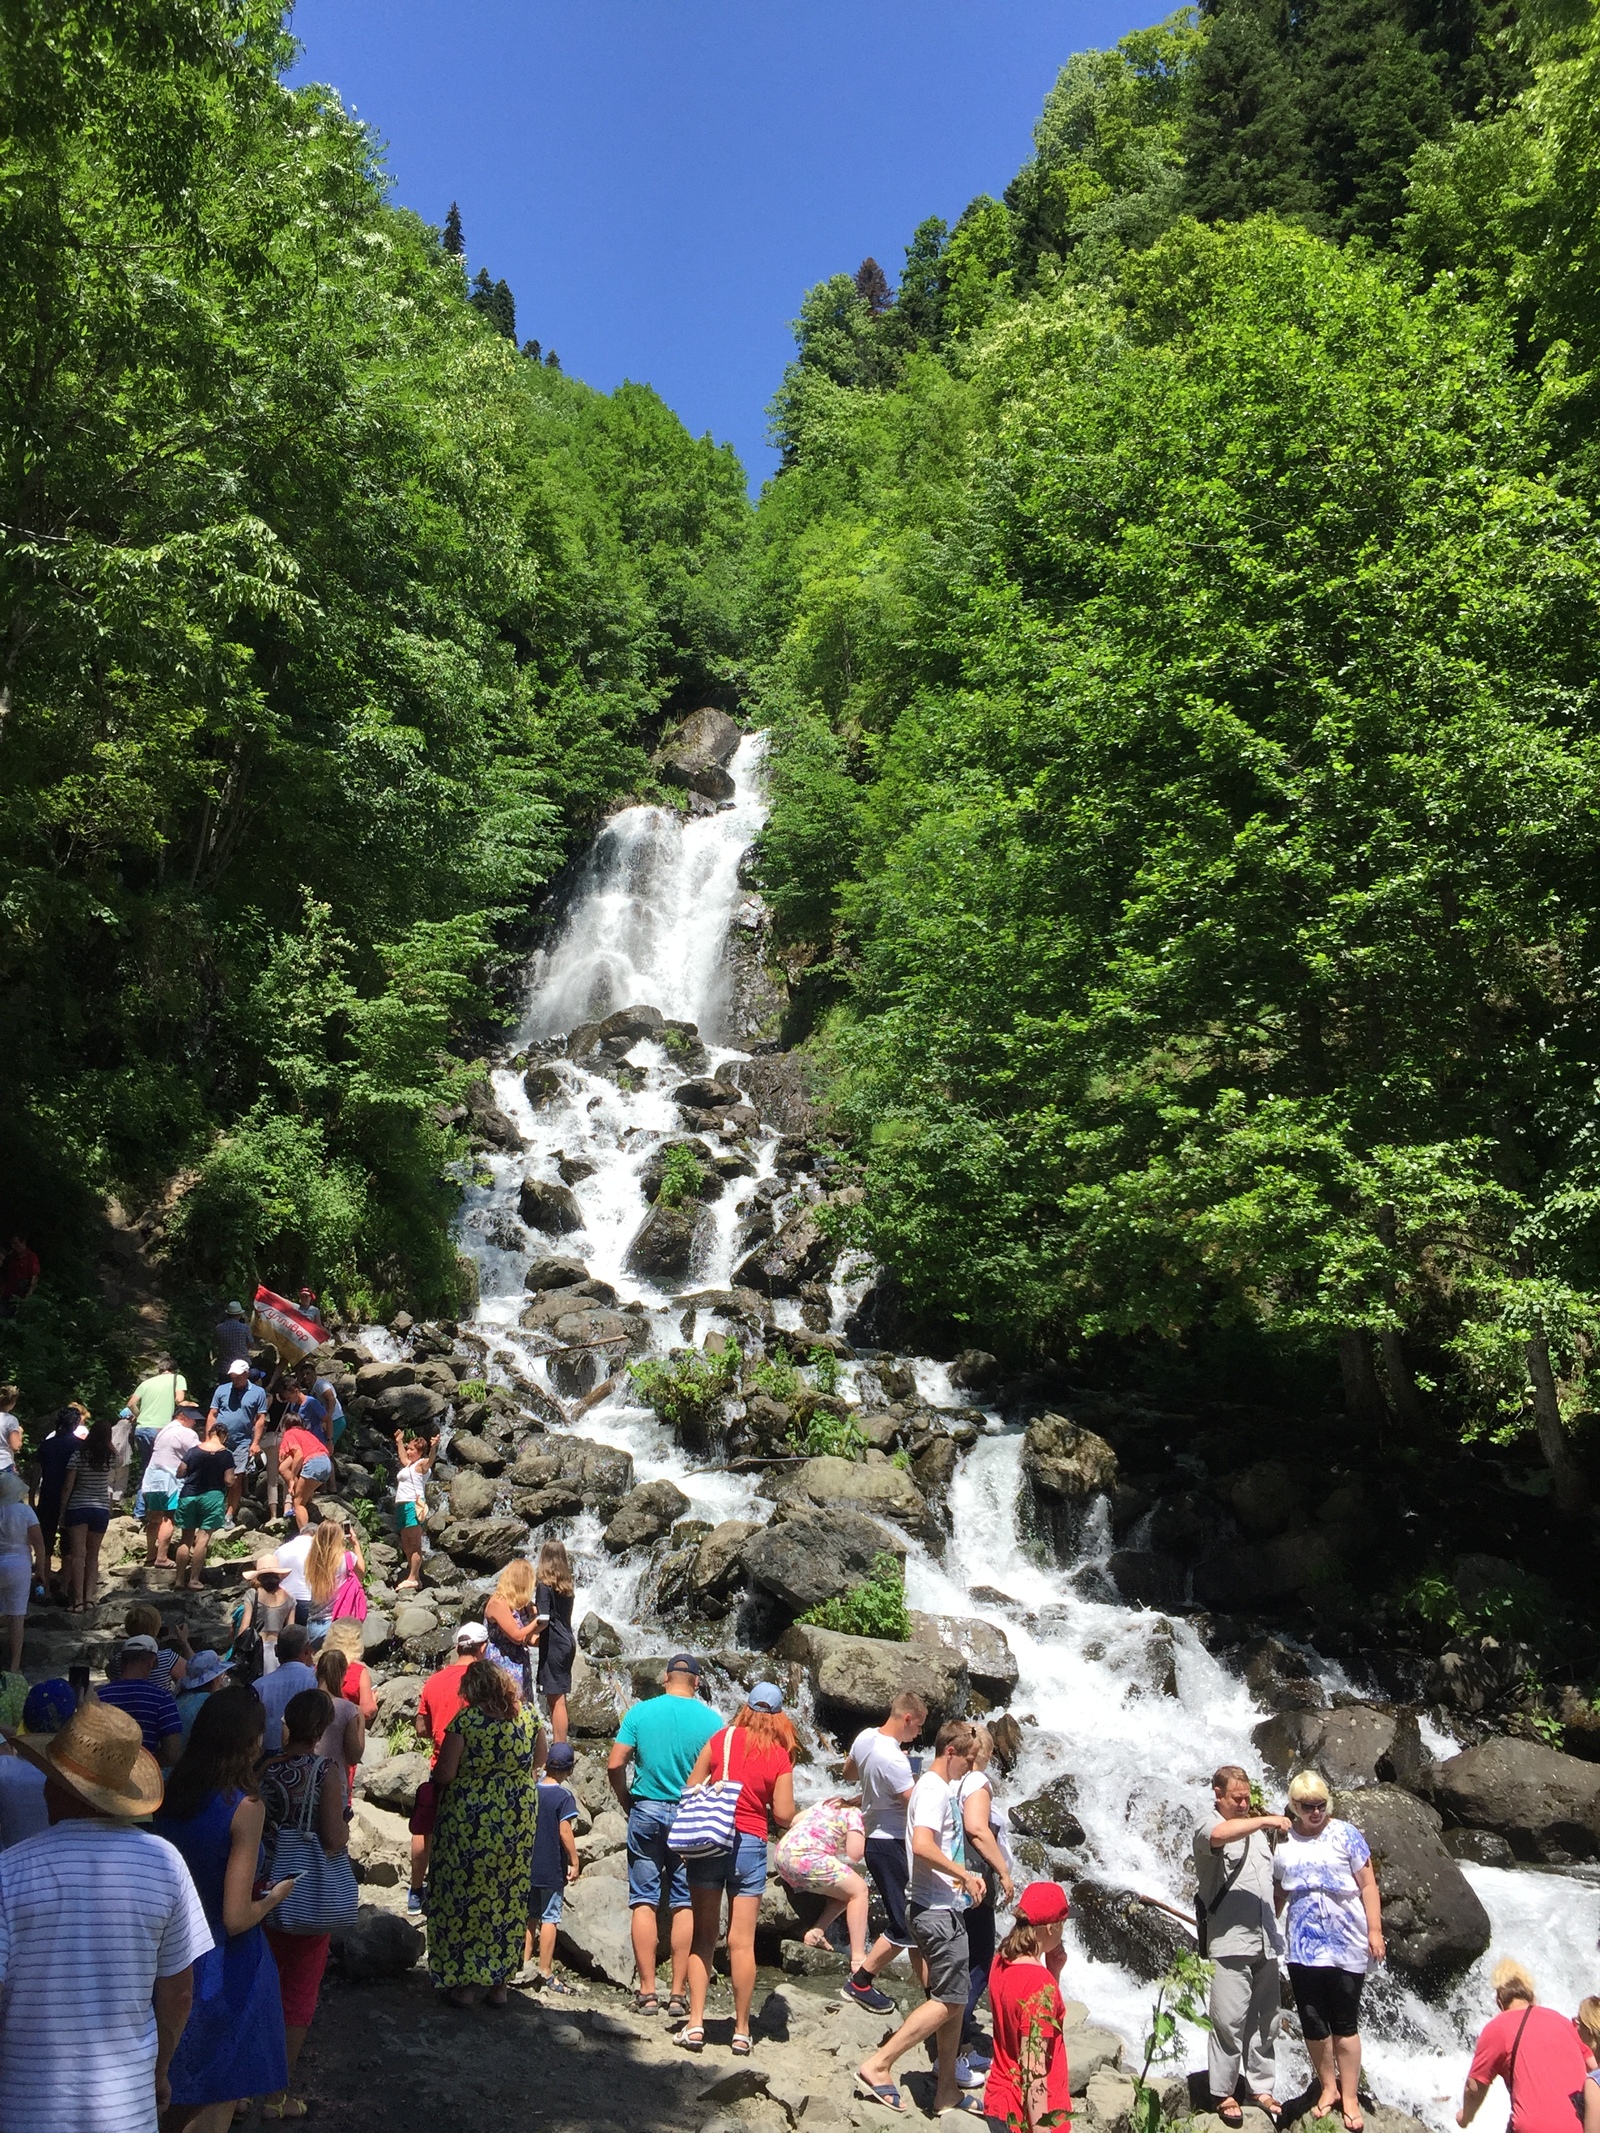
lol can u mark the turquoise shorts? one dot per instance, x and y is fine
(205, 1513)
(406, 1516)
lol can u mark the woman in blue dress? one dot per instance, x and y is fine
(232, 2047)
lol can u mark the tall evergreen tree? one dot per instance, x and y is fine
(917, 319)
(552, 361)
(503, 309)
(453, 241)
(481, 294)
(532, 351)
(872, 286)
(1245, 148)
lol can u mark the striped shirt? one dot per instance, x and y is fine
(96, 1911)
(151, 1702)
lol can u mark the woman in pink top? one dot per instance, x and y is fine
(1535, 2051)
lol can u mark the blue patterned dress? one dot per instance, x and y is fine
(233, 2043)
(482, 1843)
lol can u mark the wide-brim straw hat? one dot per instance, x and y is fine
(100, 1755)
(274, 1565)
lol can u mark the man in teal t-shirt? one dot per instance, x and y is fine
(663, 1734)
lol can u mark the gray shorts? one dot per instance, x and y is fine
(941, 1939)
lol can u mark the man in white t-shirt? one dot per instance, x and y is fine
(942, 1887)
(100, 1928)
(163, 1480)
(878, 1758)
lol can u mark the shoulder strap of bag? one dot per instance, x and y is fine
(1230, 1877)
(311, 1798)
(727, 1750)
(1511, 2070)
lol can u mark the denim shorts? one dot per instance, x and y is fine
(885, 1861)
(741, 1872)
(544, 1907)
(650, 1864)
(317, 1468)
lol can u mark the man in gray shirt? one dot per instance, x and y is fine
(1233, 1862)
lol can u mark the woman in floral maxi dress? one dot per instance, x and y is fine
(487, 1777)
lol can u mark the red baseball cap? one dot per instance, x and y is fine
(1042, 1903)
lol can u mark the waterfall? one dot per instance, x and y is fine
(1129, 1702)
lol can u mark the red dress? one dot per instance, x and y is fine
(1023, 1996)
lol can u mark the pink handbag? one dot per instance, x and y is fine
(350, 1598)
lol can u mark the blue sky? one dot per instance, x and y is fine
(661, 180)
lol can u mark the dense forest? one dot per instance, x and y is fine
(1177, 614)
(330, 623)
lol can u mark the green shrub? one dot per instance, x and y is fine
(682, 1176)
(778, 1379)
(829, 1437)
(473, 1389)
(689, 1386)
(874, 1608)
(404, 1739)
(1521, 1607)
(824, 1370)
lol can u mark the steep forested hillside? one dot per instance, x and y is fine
(329, 621)
(1182, 634)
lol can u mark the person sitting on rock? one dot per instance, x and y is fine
(1233, 1865)
(1536, 2052)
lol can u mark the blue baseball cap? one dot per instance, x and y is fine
(562, 1755)
(765, 1696)
(48, 1706)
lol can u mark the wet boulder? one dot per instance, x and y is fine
(487, 1122)
(705, 1093)
(663, 1245)
(484, 1543)
(806, 1558)
(1545, 1804)
(1478, 1847)
(541, 1085)
(1433, 1923)
(1355, 1745)
(549, 1207)
(1065, 1461)
(472, 1495)
(644, 1515)
(854, 1679)
(597, 1637)
(695, 755)
(1267, 1499)
(601, 1472)
(871, 1485)
(1115, 1926)
(470, 1450)
(1240, 1579)
(800, 1252)
(779, 1085)
(629, 1024)
(1280, 1677)
(1146, 1578)
(655, 1170)
(416, 1407)
(718, 1567)
(374, 1379)
(991, 1663)
(974, 1369)
(1050, 1817)
(553, 1270)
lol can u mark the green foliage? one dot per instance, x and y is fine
(901, 1459)
(681, 1177)
(1518, 1608)
(688, 1388)
(874, 1608)
(777, 1377)
(1181, 1996)
(232, 1547)
(404, 1739)
(472, 1389)
(827, 1436)
(330, 625)
(825, 1370)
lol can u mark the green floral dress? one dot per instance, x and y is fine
(482, 1843)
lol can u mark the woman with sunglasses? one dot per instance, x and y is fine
(1325, 1880)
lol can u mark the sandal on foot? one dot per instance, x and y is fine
(1229, 2112)
(1353, 2120)
(1271, 2106)
(880, 2092)
(692, 2040)
(1324, 2104)
(967, 2106)
(741, 2046)
(291, 2107)
(678, 2007)
(646, 2003)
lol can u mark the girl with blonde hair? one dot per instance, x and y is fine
(345, 1637)
(512, 1619)
(335, 1554)
(558, 1647)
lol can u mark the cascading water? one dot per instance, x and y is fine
(1128, 1702)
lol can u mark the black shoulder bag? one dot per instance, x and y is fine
(1511, 2071)
(1203, 1911)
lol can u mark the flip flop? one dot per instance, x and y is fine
(968, 2106)
(880, 2092)
(1229, 2112)
(1353, 2120)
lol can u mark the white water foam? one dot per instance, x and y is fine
(1127, 1702)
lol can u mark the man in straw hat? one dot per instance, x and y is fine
(99, 1928)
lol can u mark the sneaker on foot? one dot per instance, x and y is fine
(867, 1996)
(414, 1901)
(967, 2075)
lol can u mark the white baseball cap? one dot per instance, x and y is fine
(472, 1633)
(238, 1368)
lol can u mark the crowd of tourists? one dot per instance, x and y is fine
(181, 1834)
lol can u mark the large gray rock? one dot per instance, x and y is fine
(471, 1496)
(779, 1086)
(1050, 1816)
(991, 1663)
(380, 1944)
(474, 1451)
(704, 1092)
(644, 1514)
(599, 1474)
(807, 1558)
(718, 1570)
(870, 1485)
(554, 1270)
(663, 1245)
(1434, 1925)
(854, 1679)
(655, 1170)
(594, 1932)
(393, 1784)
(484, 1543)
(1260, 1573)
(1267, 1499)
(696, 754)
(416, 1407)
(375, 1378)
(489, 1122)
(1357, 1744)
(629, 1024)
(1067, 1462)
(1545, 1804)
(800, 1252)
(546, 1206)
(1116, 1926)
(380, 1845)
